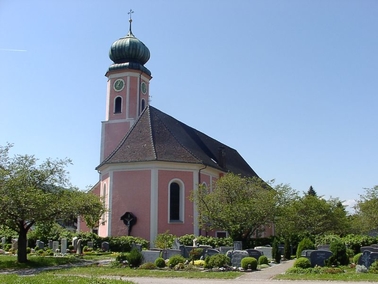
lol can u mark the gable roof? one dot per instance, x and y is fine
(157, 136)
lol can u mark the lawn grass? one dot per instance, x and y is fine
(58, 279)
(156, 273)
(10, 262)
(348, 275)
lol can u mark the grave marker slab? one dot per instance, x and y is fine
(318, 257)
(55, 247)
(105, 246)
(238, 245)
(236, 256)
(367, 258)
(254, 253)
(369, 248)
(63, 245)
(267, 251)
(150, 255)
(167, 253)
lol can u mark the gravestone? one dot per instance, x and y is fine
(105, 246)
(318, 257)
(78, 247)
(323, 247)
(150, 255)
(254, 253)
(374, 245)
(50, 244)
(137, 246)
(74, 242)
(167, 253)
(369, 248)
(236, 256)
(306, 252)
(40, 244)
(3, 240)
(14, 244)
(224, 250)
(63, 245)
(210, 252)
(267, 251)
(90, 244)
(238, 245)
(367, 258)
(55, 247)
(185, 251)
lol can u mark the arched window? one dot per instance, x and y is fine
(118, 105)
(143, 105)
(175, 202)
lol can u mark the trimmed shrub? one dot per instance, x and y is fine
(175, 259)
(147, 265)
(275, 251)
(356, 258)
(164, 240)
(249, 263)
(287, 249)
(374, 267)
(217, 260)
(135, 258)
(262, 260)
(304, 244)
(196, 253)
(302, 262)
(160, 262)
(339, 255)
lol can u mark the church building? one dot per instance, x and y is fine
(150, 161)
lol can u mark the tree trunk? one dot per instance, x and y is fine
(22, 243)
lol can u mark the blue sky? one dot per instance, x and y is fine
(292, 85)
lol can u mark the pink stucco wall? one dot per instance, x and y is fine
(165, 177)
(131, 193)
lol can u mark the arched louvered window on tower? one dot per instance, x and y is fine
(118, 105)
(176, 202)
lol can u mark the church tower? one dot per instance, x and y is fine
(127, 89)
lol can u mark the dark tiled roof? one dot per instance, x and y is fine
(157, 136)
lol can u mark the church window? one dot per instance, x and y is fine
(118, 105)
(143, 105)
(176, 202)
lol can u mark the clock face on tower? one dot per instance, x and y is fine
(118, 85)
(144, 88)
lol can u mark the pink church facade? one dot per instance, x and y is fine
(151, 162)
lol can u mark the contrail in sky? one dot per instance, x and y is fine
(13, 50)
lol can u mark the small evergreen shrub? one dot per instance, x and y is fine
(147, 266)
(249, 263)
(304, 244)
(135, 258)
(160, 262)
(262, 260)
(217, 260)
(302, 262)
(275, 251)
(356, 258)
(175, 259)
(287, 249)
(339, 255)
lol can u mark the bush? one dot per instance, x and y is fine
(304, 244)
(135, 258)
(175, 259)
(28, 250)
(302, 262)
(160, 262)
(164, 240)
(374, 267)
(339, 255)
(249, 263)
(122, 257)
(196, 253)
(217, 260)
(356, 258)
(262, 260)
(287, 249)
(147, 265)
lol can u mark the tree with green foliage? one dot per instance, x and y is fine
(236, 204)
(275, 251)
(367, 210)
(311, 191)
(33, 194)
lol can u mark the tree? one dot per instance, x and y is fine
(236, 204)
(311, 191)
(33, 194)
(367, 209)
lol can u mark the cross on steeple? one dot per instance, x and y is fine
(130, 20)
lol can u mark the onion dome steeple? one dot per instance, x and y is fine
(129, 53)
